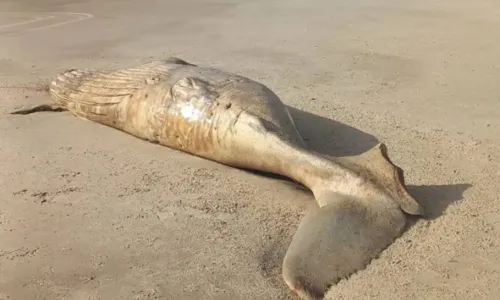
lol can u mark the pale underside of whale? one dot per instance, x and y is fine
(224, 117)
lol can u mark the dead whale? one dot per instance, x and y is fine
(362, 200)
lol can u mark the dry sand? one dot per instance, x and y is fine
(87, 212)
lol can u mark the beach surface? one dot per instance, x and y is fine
(88, 212)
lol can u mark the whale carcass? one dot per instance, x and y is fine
(362, 200)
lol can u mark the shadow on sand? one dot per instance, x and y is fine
(335, 139)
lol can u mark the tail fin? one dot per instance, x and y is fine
(376, 165)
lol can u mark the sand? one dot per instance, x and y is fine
(87, 212)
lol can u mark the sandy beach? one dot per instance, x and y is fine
(88, 212)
